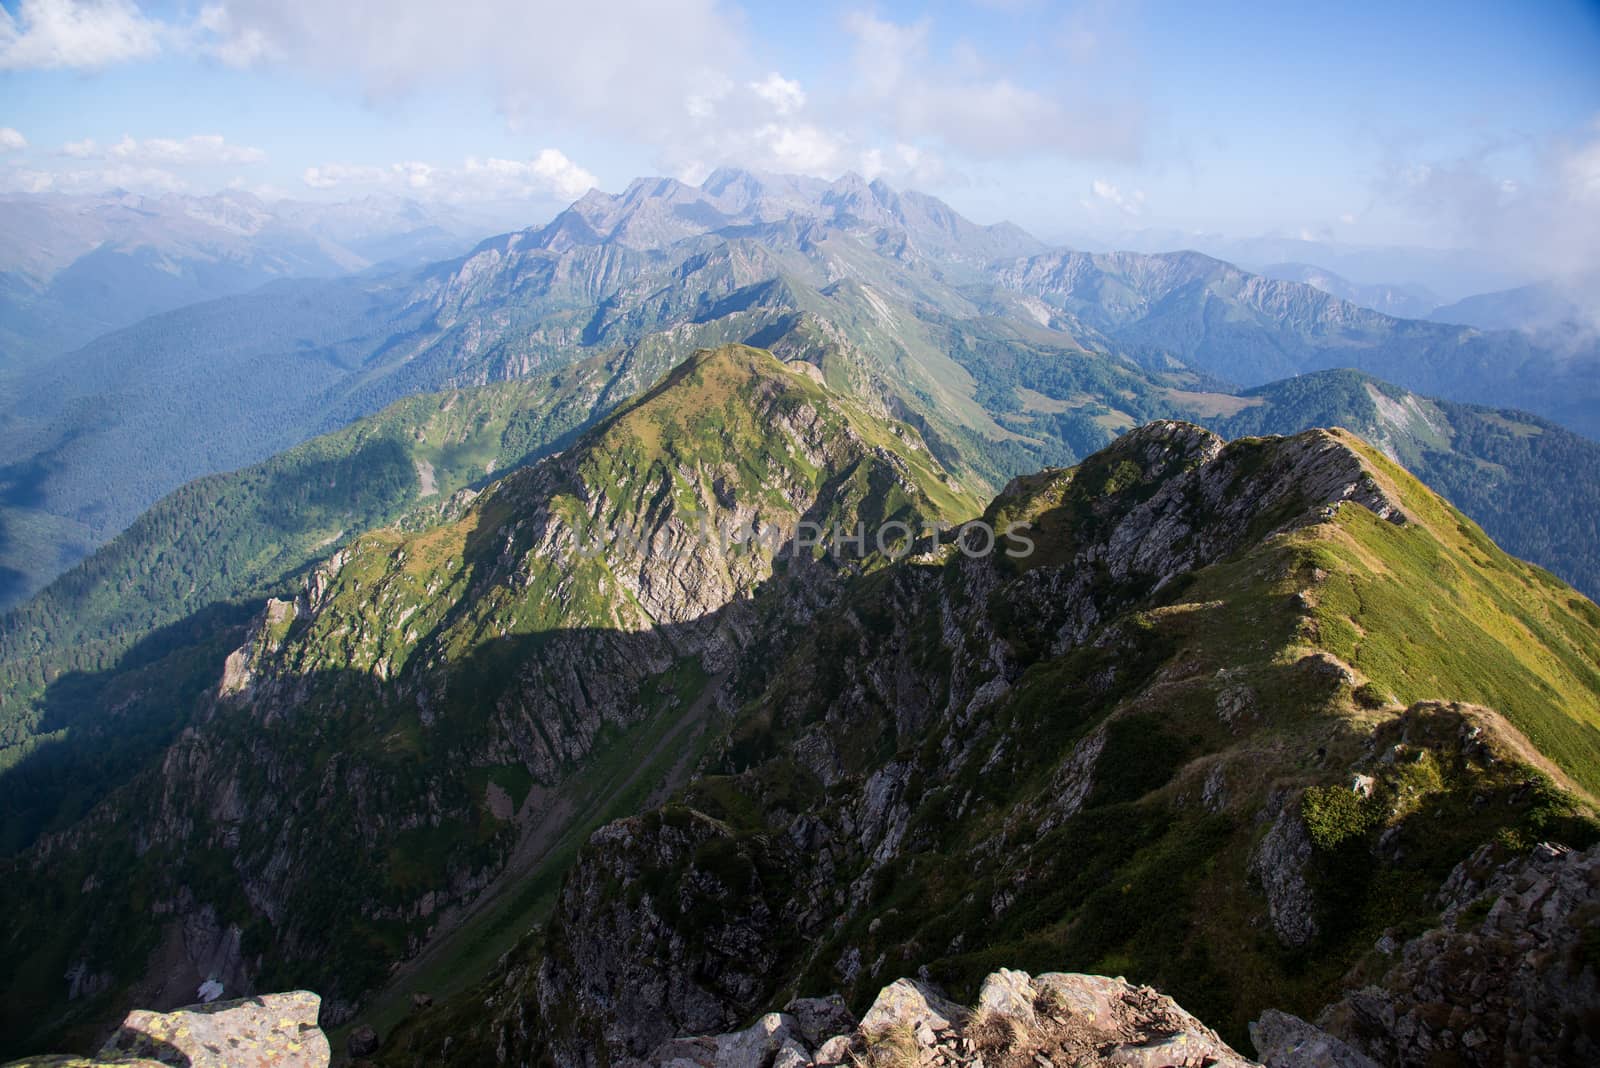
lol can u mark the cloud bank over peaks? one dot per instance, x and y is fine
(1545, 219)
(151, 165)
(628, 67)
(548, 175)
(686, 79)
(197, 150)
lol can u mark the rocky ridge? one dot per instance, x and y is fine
(1059, 756)
(895, 765)
(1165, 500)
(1508, 959)
(1510, 977)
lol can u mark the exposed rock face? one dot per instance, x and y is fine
(1285, 1041)
(1510, 979)
(820, 1018)
(363, 1041)
(693, 951)
(1279, 863)
(270, 1031)
(1020, 1022)
(627, 969)
(66, 1061)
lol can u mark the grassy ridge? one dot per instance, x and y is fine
(1436, 611)
(1340, 644)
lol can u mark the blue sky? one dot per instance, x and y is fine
(1438, 124)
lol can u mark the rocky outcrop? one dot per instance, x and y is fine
(1285, 1041)
(1019, 1022)
(1279, 863)
(772, 1040)
(624, 963)
(1509, 979)
(270, 1031)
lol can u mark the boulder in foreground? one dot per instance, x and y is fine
(269, 1031)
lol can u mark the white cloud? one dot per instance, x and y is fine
(549, 174)
(1128, 203)
(702, 100)
(237, 46)
(1545, 223)
(972, 110)
(200, 149)
(11, 140)
(132, 176)
(802, 149)
(152, 165)
(25, 180)
(264, 190)
(1579, 167)
(92, 180)
(758, 125)
(785, 96)
(546, 173)
(196, 151)
(635, 67)
(905, 164)
(75, 33)
(330, 175)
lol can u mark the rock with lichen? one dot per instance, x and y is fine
(269, 1031)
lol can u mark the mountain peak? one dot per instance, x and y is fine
(654, 213)
(723, 178)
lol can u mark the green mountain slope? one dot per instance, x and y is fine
(195, 568)
(402, 752)
(91, 439)
(1234, 720)
(1533, 486)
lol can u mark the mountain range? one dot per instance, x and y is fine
(1403, 301)
(617, 631)
(812, 755)
(1007, 355)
